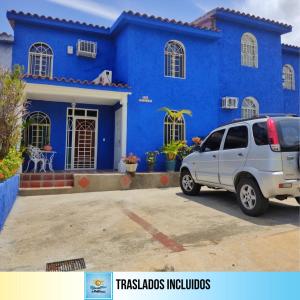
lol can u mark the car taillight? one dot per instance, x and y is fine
(273, 135)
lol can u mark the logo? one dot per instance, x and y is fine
(98, 286)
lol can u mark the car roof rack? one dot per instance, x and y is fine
(263, 116)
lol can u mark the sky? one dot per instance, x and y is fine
(104, 12)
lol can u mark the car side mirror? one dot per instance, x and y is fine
(198, 148)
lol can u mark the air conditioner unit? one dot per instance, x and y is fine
(86, 48)
(230, 102)
(104, 78)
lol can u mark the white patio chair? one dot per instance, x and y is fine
(35, 156)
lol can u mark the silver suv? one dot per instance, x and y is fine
(255, 158)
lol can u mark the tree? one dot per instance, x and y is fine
(176, 115)
(12, 109)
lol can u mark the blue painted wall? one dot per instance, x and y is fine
(64, 65)
(8, 194)
(57, 113)
(199, 91)
(134, 50)
(263, 83)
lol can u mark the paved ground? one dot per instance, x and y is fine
(150, 230)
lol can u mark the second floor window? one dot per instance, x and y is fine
(40, 61)
(174, 59)
(249, 50)
(288, 76)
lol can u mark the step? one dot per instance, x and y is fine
(44, 183)
(45, 191)
(46, 176)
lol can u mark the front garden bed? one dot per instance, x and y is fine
(8, 194)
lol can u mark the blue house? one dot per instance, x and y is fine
(95, 92)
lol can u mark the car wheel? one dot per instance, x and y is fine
(250, 198)
(297, 199)
(188, 185)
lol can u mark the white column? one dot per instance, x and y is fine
(123, 102)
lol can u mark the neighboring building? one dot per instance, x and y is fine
(6, 44)
(224, 65)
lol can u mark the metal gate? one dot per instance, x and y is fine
(82, 130)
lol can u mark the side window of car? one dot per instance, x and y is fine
(237, 137)
(213, 142)
(260, 133)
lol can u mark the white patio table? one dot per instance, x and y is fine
(48, 157)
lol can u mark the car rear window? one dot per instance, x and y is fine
(289, 134)
(260, 133)
(237, 137)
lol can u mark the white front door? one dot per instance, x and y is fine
(82, 131)
(118, 138)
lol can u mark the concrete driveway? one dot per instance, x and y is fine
(150, 230)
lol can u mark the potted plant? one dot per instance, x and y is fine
(151, 159)
(171, 152)
(47, 146)
(131, 163)
(184, 151)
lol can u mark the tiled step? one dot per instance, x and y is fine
(47, 176)
(46, 180)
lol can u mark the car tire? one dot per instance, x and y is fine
(251, 200)
(188, 185)
(297, 199)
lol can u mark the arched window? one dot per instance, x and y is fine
(250, 108)
(249, 52)
(37, 131)
(174, 59)
(288, 76)
(40, 60)
(174, 129)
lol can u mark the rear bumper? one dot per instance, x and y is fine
(269, 184)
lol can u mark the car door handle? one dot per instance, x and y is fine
(214, 156)
(240, 154)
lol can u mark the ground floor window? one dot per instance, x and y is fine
(37, 130)
(174, 129)
(250, 108)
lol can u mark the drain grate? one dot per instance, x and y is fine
(66, 265)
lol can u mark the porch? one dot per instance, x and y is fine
(85, 126)
(92, 181)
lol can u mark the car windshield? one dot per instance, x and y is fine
(289, 134)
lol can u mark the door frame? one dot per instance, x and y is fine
(67, 146)
(117, 159)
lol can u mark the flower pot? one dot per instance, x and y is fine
(131, 168)
(48, 148)
(170, 165)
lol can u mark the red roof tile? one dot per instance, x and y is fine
(232, 11)
(171, 21)
(72, 80)
(291, 46)
(21, 13)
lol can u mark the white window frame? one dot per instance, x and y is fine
(28, 131)
(172, 73)
(87, 48)
(288, 76)
(249, 50)
(250, 108)
(36, 57)
(171, 125)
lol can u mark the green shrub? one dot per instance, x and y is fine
(10, 164)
